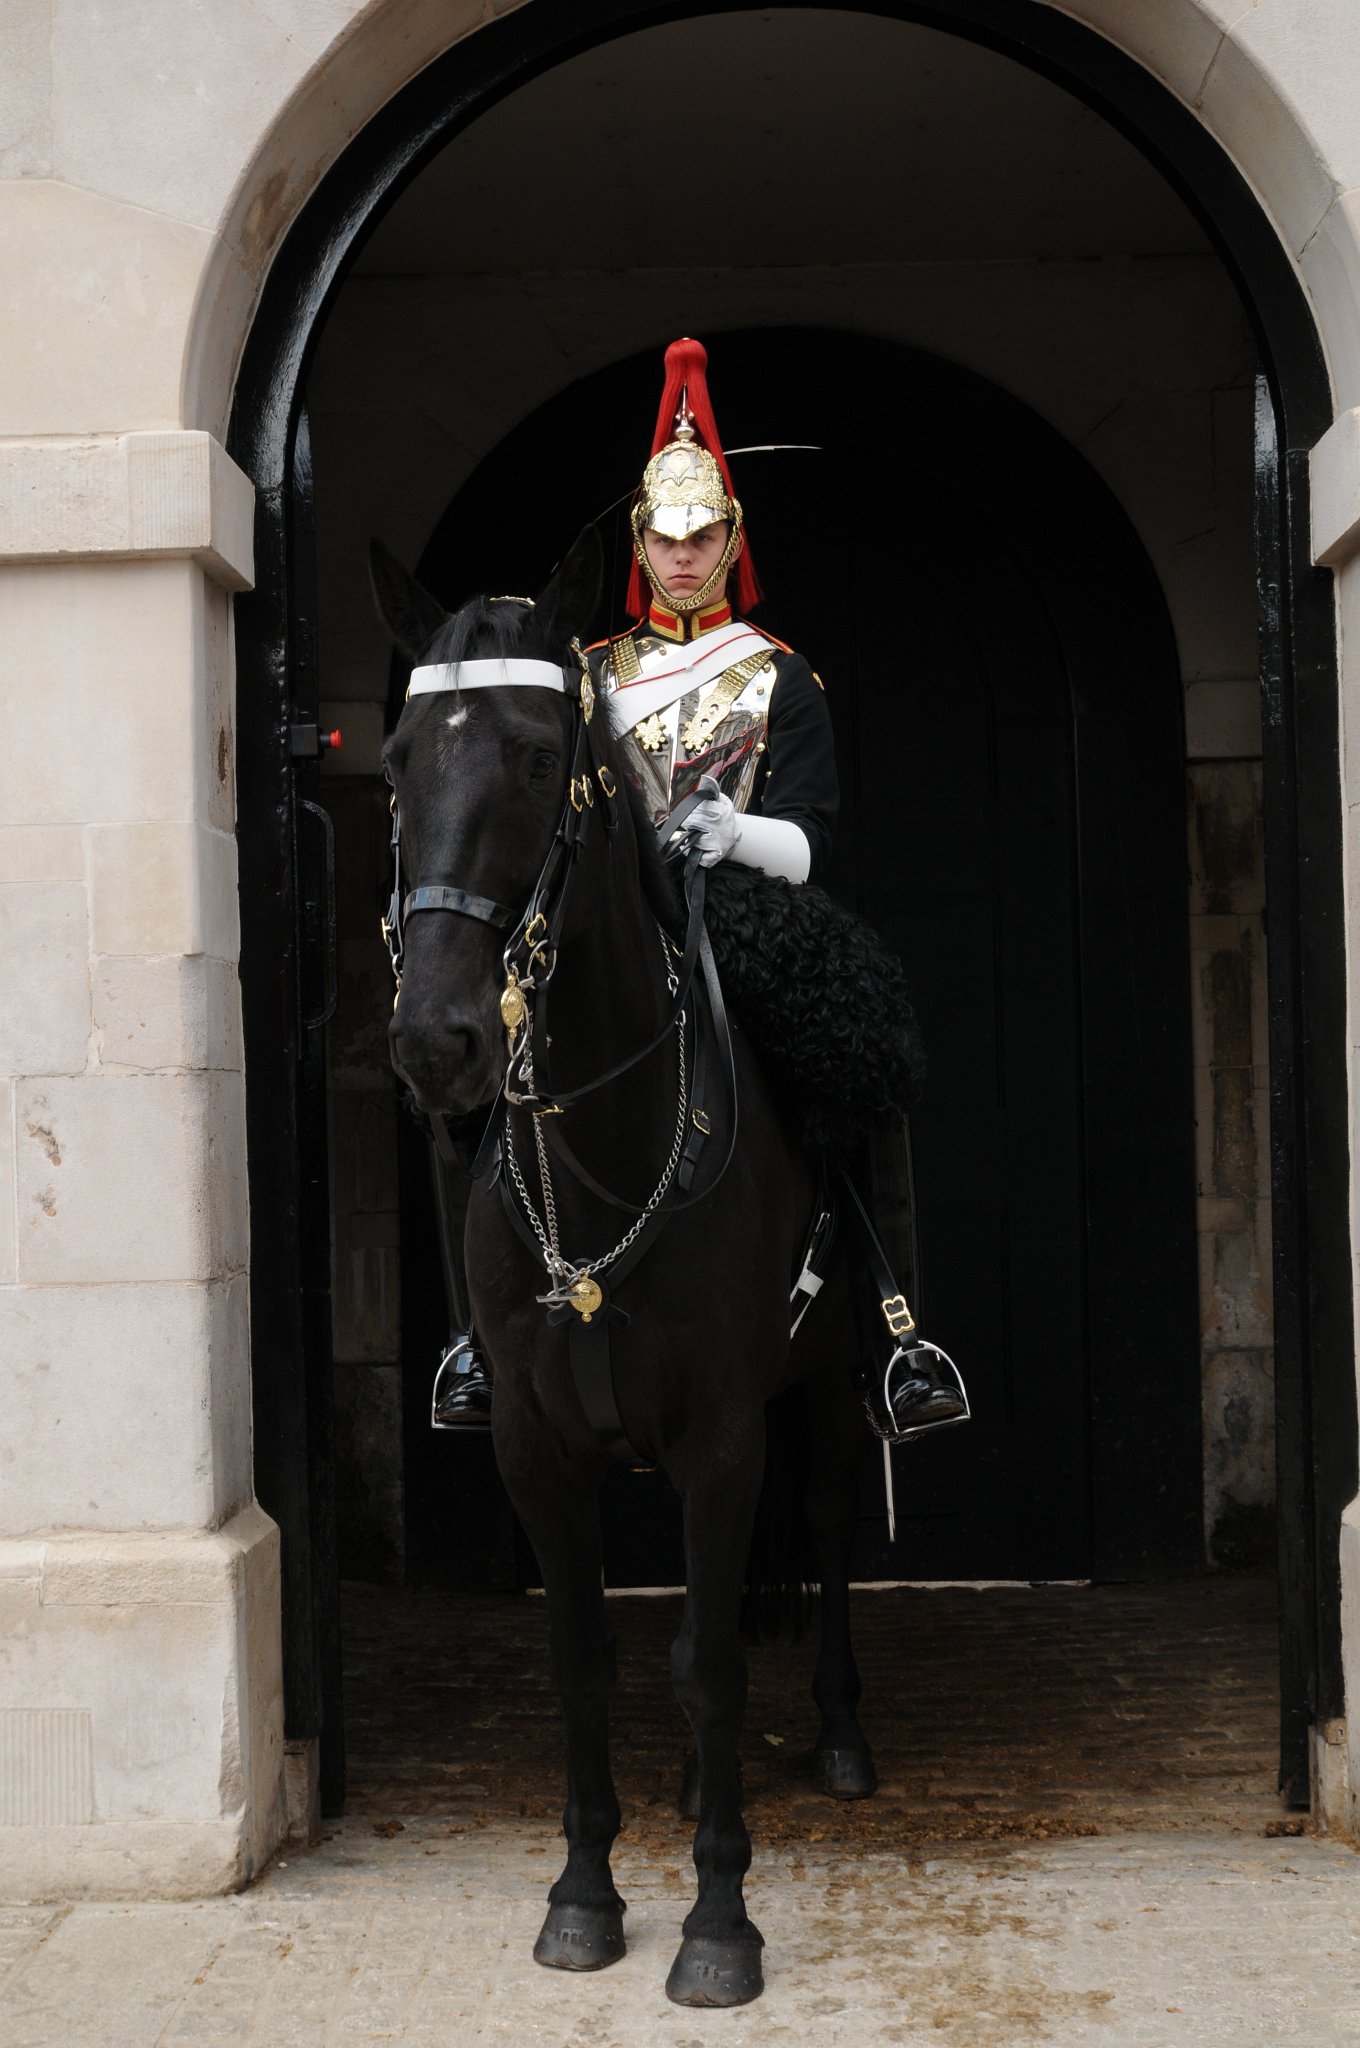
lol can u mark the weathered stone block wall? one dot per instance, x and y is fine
(140, 1701)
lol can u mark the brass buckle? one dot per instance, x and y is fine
(899, 1318)
(605, 780)
(586, 800)
(701, 1122)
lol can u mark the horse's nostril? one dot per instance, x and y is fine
(415, 1048)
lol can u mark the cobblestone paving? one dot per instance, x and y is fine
(1077, 1844)
(1029, 1711)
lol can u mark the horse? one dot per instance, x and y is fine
(515, 801)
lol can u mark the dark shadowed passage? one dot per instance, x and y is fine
(1007, 1713)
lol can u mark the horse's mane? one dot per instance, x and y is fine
(494, 625)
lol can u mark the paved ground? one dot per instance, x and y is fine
(1165, 1941)
(1077, 1842)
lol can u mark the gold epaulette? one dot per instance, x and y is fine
(621, 654)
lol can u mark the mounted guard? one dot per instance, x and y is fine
(725, 730)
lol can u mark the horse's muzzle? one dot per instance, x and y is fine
(449, 1070)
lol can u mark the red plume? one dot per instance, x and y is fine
(686, 376)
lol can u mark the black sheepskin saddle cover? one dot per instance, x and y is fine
(821, 998)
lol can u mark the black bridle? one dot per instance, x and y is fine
(530, 959)
(568, 842)
(530, 955)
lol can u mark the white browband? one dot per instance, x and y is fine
(485, 675)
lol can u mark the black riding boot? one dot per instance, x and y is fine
(909, 1385)
(462, 1384)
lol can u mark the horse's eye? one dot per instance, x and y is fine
(542, 766)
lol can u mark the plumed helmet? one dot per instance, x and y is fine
(687, 484)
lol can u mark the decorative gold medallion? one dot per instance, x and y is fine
(651, 734)
(587, 698)
(586, 1295)
(514, 1009)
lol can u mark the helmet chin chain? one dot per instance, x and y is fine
(704, 594)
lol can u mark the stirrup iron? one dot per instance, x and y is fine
(943, 1363)
(457, 1361)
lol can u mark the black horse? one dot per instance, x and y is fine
(485, 779)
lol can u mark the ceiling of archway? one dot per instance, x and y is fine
(773, 138)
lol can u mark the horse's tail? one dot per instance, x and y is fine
(777, 1599)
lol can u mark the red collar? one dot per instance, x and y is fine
(687, 625)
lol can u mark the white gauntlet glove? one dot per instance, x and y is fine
(712, 826)
(721, 832)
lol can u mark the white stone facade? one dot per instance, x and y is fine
(153, 158)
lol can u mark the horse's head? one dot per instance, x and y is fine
(481, 779)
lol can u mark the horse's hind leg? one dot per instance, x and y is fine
(843, 1763)
(584, 1926)
(719, 1959)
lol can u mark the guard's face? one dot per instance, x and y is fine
(684, 566)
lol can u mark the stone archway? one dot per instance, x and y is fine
(406, 133)
(245, 161)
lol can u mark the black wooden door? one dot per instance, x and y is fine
(1007, 710)
(949, 695)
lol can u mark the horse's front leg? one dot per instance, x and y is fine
(719, 1958)
(560, 1512)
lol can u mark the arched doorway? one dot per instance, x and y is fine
(1308, 1040)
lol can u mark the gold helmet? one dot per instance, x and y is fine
(686, 484)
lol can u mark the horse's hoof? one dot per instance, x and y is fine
(845, 1773)
(580, 1938)
(711, 1972)
(687, 1798)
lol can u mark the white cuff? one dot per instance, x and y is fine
(774, 844)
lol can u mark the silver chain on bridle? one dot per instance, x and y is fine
(563, 1274)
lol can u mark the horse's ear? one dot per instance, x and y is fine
(572, 598)
(412, 616)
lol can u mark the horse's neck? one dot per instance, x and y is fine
(609, 993)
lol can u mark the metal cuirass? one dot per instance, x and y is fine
(699, 712)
